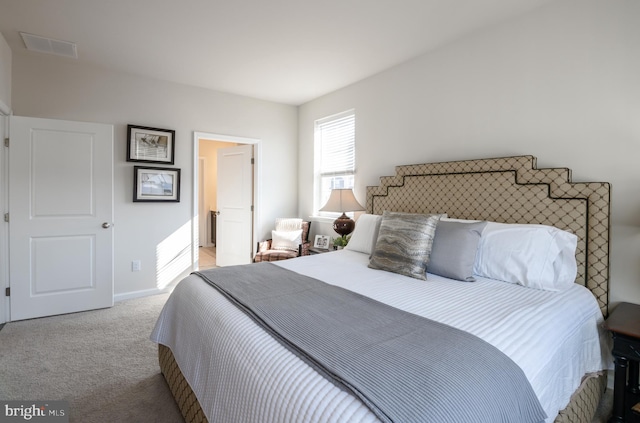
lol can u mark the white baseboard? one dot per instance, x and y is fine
(140, 294)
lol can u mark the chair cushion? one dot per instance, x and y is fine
(275, 255)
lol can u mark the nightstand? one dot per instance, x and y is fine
(624, 324)
(314, 250)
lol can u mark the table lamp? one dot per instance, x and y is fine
(342, 200)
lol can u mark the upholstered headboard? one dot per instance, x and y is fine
(509, 190)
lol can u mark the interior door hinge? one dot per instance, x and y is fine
(7, 292)
(253, 161)
(6, 217)
(6, 142)
(252, 208)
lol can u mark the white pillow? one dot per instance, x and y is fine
(286, 240)
(288, 223)
(365, 234)
(449, 219)
(535, 256)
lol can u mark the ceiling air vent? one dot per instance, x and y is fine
(49, 45)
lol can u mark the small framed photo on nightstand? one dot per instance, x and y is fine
(321, 241)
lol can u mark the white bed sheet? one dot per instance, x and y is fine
(240, 374)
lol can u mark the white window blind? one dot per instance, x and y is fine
(335, 142)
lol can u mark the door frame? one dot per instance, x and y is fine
(257, 169)
(205, 240)
(5, 112)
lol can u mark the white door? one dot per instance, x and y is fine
(235, 200)
(60, 217)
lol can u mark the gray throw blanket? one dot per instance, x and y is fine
(404, 367)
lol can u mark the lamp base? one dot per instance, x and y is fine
(344, 225)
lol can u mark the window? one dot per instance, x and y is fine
(335, 156)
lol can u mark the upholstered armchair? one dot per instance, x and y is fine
(285, 243)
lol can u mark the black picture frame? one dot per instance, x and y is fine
(156, 184)
(150, 145)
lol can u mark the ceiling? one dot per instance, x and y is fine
(287, 51)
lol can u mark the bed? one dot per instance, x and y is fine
(222, 366)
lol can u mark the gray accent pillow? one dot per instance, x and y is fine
(404, 243)
(454, 249)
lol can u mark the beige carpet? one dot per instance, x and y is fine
(102, 362)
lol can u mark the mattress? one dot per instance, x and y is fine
(238, 373)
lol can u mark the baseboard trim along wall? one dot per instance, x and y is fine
(143, 293)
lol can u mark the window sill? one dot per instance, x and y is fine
(322, 219)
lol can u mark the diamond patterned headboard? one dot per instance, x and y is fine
(509, 190)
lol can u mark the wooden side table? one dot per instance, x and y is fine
(624, 324)
(314, 250)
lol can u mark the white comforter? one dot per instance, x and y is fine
(240, 374)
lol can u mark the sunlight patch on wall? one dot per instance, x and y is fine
(173, 256)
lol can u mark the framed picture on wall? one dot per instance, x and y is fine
(151, 145)
(156, 184)
(321, 241)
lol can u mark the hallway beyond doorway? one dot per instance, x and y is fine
(207, 258)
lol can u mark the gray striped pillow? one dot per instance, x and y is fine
(404, 243)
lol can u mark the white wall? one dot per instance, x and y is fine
(5, 72)
(561, 83)
(50, 87)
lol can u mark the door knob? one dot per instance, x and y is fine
(106, 225)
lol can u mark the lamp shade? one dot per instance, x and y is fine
(342, 200)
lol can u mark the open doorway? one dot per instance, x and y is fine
(206, 226)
